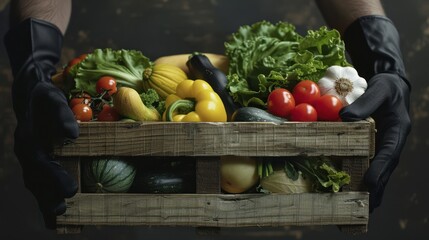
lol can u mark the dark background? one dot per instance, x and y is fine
(164, 27)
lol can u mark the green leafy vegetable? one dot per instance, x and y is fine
(323, 173)
(151, 98)
(264, 56)
(291, 171)
(126, 66)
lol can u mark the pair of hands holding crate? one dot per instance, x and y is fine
(44, 118)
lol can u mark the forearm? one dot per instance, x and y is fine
(339, 14)
(56, 12)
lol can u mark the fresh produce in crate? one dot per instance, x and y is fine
(238, 174)
(344, 83)
(279, 182)
(312, 107)
(129, 104)
(219, 61)
(194, 101)
(264, 56)
(200, 67)
(126, 66)
(108, 175)
(254, 114)
(164, 78)
(304, 174)
(165, 175)
(130, 68)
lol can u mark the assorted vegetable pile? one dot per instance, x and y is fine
(264, 56)
(269, 73)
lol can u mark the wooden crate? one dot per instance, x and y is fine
(352, 143)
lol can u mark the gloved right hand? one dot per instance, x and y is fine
(42, 112)
(373, 45)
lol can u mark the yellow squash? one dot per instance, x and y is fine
(219, 61)
(128, 103)
(163, 78)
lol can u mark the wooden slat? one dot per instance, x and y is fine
(218, 139)
(72, 167)
(356, 168)
(217, 210)
(207, 181)
(207, 175)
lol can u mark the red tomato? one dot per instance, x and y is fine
(70, 64)
(80, 98)
(327, 107)
(82, 112)
(303, 112)
(82, 56)
(106, 83)
(108, 114)
(280, 102)
(306, 91)
(74, 61)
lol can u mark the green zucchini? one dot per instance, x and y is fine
(164, 176)
(254, 114)
(167, 182)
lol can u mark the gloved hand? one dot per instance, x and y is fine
(42, 112)
(373, 45)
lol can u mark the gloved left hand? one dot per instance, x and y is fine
(42, 112)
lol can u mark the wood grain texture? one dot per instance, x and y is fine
(356, 168)
(218, 139)
(207, 175)
(217, 210)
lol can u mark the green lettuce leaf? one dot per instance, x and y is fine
(264, 56)
(126, 66)
(321, 170)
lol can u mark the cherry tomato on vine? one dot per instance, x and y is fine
(106, 83)
(280, 102)
(80, 98)
(82, 112)
(73, 62)
(303, 112)
(108, 114)
(306, 91)
(327, 108)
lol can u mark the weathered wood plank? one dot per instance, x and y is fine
(218, 139)
(72, 167)
(356, 168)
(207, 175)
(217, 210)
(207, 181)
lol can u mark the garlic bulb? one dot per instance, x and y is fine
(343, 82)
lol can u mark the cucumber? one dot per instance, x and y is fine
(254, 114)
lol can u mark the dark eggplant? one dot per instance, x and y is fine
(200, 67)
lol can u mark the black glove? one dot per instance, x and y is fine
(42, 112)
(373, 45)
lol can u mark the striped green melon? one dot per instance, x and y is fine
(108, 176)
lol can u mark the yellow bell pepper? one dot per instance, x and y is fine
(194, 101)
